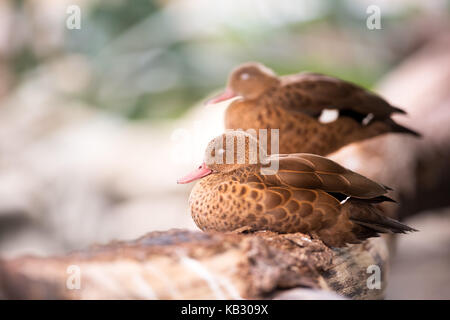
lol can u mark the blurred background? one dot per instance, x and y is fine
(97, 123)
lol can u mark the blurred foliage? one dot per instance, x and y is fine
(155, 59)
(106, 20)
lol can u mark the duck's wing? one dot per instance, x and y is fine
(304, 170)
(276, 206)
(312, 93)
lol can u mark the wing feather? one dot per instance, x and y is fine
(324, 174)
(312, 92)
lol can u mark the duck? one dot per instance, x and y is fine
(314, 113)
(240, 189)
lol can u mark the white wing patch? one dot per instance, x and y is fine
(345, 200)
(329, 115)
(367, 119)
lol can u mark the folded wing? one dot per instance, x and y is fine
(316, 92)
(303, 170)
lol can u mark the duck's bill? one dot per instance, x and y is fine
(227, 94)
(201, 172)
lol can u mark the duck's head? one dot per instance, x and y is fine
(249, 80)
(225, 154)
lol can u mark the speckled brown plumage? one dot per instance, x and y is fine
(294, 104)
(303, 196)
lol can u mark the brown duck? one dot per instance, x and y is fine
(314, 113)
(308, 194)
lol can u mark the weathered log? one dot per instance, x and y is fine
(180, 264)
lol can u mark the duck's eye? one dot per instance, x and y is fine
(245, 76)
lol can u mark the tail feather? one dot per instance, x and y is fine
(369, 219)
(398, 110)
(401, 129)
(382, 224)
(379, 199)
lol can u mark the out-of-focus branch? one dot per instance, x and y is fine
(416, 168)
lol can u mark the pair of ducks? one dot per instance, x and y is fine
(308, 193)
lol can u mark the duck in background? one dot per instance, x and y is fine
(315, 113)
